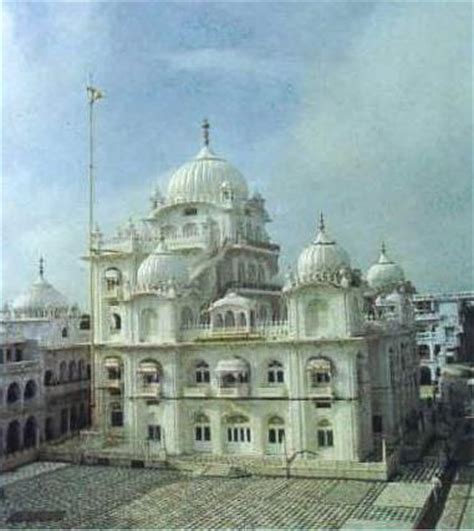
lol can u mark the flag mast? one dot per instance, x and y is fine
(93, 95)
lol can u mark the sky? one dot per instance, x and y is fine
(360, 110)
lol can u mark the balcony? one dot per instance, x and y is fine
(236, 391)
(66, 388)
(197, 391)
(113, 293)
(112, 384)
(323, 391)
(149, 391)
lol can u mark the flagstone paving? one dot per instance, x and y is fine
(111, 497)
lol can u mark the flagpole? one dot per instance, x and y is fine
(93, 96)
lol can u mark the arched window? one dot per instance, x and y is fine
(325, 434)
(148, 324)
(316, 316)
(242, 320)
(113, 278)
(64, 420)
(113, 368)
(49, 378)
(190, 230)
(275, 373)
(29, 433)
(319, 370)
(229, 319)
(72, 371)
(13, 393)
(238, 429)
(201, 373)
(276, 430)
(30, 390)
(64, 332)
(187, 317)
(63, 372)
(202, 428)
(115, 323)
(150, 372)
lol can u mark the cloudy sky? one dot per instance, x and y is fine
(360, 110)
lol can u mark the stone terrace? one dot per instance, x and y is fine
(50, 495)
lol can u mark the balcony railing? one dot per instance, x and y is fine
(150, 390)
(269, 330)
(322, 391)
(234, 391)
(197, 391)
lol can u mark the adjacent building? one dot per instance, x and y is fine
(445, 330)
(44, 372)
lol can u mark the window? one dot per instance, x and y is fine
(112, 278)
(113, 373)
(202, 373)
(115, 322)
(276, 430)
(154, 432)
(202, 428)
(325, 434)
(18, 354)
(377, 425)
(276, 435)
(238, 430)
(319, 372)
(116, 416)
(275, 373)
(30, 390)
(190, 211)
(13, 393)
(64, 420)
(85, 322)
(64, 332)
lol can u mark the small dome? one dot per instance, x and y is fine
(324, 255)
(41, 296)
(161, 266)
(206, 178)
(385, 273)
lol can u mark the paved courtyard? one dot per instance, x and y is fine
(53, 495)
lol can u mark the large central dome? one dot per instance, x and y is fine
(207, 178)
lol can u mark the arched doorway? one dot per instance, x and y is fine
(13, 437)
(425, 376)
(29, 433)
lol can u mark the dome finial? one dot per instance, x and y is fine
(205, 131)
(321, 222)
(41, 267)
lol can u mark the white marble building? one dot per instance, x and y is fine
(201, 347)
(44, 372)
